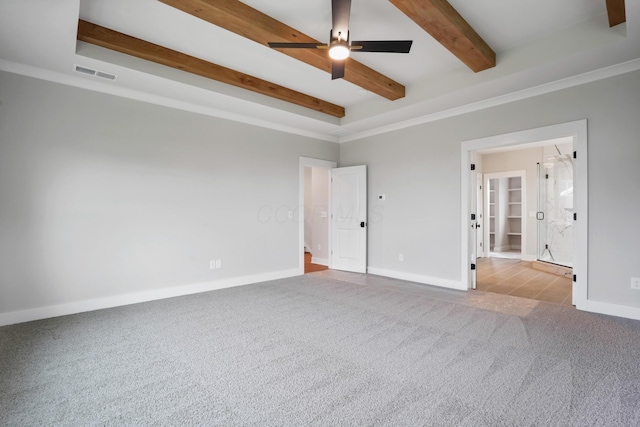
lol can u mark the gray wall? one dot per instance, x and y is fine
(419, 170)
(103, 196)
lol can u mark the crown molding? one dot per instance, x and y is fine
(577, 80)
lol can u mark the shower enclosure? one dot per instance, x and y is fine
(555, 205)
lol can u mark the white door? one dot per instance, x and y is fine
(349, 219)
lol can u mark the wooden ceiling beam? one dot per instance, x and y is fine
(617, 12)
(444, 23)
(248, 22)
(114, 40)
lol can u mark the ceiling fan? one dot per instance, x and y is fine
(339, 46)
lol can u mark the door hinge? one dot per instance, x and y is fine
(546, 176)
(575, 216)
(473, 166)
(575, 154)
(473, 217)
(575, 279)
(473, 266)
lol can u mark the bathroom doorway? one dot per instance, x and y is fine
(476, 156)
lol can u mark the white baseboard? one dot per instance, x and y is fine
(610, 309)
(138, 297)
(427, 280)
(320, 261)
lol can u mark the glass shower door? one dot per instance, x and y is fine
(543, 244)
(555, 207)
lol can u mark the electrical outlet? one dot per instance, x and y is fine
(319, 247)
(212, 264)
(635, 283)
(401, 257)
(218, 263)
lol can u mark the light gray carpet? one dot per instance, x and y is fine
(314, 350)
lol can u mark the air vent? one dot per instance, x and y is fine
(95, 73)
(105, 75)
(84, 70)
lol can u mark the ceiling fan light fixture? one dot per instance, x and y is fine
(339, 50)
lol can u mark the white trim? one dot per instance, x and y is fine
(138, 297)
(418, 278)
(113, 89)
(581, 207)
(577, 130)
(611, 309)
(313, 163)
(588, 77)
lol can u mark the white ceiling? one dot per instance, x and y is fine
(536, 42)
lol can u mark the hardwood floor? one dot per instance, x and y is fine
(310, 267)
(518, 278)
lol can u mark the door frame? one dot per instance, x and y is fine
(305, 162)
(480, 204)
(578, 131)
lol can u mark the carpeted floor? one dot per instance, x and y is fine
(324, 349)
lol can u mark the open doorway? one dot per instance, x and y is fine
(343, 210)
(547, 157)
(308, 215)
(505, 201)
(316, 219)
(512, 266)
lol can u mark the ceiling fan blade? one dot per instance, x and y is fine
(340, 13)
(296, 45)
(389, 46)
(337, 69)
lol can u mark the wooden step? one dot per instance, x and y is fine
(309, 267)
